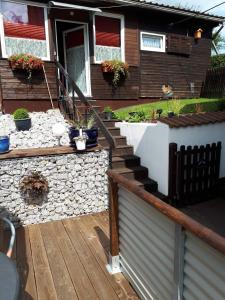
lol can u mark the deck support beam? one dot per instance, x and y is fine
(114, 261)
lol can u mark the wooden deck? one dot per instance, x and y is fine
(67, 260)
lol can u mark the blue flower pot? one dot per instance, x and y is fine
(4, 144)
(92, 136)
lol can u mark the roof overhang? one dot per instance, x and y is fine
(72, 6)
(149, 5)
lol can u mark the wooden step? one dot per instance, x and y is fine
(120, 140)
(110, 123)
(125, 161)
(148, 184)
(122, 150)
(113, 130)
(136, 173)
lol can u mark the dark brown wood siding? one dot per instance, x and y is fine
(102, 88)
(132, 53)
(16, 88)
(179, 71)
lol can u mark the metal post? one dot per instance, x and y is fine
(179, 262)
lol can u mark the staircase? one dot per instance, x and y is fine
(122, 155)
(124, 161)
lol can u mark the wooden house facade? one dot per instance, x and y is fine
(156, 41)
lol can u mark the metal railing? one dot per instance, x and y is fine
(71, 99)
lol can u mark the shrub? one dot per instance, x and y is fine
(107, 109)
(20, 114)
(218, 61)
(136, 117)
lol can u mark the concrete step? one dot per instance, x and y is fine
(120, 140)
(135, 173)
(125, 161)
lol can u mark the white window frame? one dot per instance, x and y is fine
(144, 48)
(2, 32)
(122, 33)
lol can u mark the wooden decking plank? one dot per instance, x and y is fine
(62, 282)
(95, 237)
(45, 285)
(97, 277)
(79, 277)
(25, 265)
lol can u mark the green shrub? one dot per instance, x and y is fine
(20, 114)
(107, 109)
(136, 117)
(218, 61)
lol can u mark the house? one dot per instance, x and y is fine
(157, 42)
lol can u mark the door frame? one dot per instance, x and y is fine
(86, 47)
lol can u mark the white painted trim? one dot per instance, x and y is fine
(72, 6)
(87, 56)
(2, 33)
(163, 46)
(122, 33)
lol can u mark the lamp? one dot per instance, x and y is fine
(198, 34)
(58, 130)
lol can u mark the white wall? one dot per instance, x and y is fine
(150, 142)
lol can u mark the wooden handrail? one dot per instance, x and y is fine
(204, 233)
(84, 100)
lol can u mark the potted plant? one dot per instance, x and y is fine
(88, 129)
(118, 68)
(108, 112)
(22, 119)
(25, 62)
(4, 139)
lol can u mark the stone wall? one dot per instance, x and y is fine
(77, 185)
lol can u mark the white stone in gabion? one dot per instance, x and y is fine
(71, 192)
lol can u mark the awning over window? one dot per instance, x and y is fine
(72, 6)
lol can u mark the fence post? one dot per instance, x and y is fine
(179, 262)
(114, 264)
(172, 172)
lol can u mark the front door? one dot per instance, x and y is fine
(77, 57)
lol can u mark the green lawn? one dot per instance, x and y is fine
(183, 106)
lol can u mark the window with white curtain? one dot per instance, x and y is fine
(153, 42)
(24, 29)
(108, 37)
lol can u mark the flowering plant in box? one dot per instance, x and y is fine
(25, 62)
(119, 69)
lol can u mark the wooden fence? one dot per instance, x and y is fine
(214, 85)
(193, 172)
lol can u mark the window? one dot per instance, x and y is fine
(24, 30)
(153, 42)
(108, 37)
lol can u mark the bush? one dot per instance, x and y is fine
(218, 61)
(107, 109)
(20, 114)
(136, 117)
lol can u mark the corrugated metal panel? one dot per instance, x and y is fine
(146, 247)
(204, 271)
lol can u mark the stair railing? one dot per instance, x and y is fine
(70, 109)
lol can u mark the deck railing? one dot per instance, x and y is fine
(71, 101)
(164, 253)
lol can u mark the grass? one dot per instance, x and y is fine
(183, 106)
